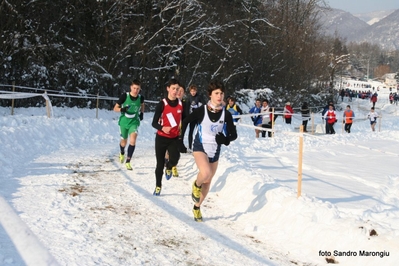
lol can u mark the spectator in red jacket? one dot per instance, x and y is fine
(288, 112)
(374, 99)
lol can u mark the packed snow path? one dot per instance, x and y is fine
(85, 199)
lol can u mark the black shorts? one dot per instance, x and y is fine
(197, 146)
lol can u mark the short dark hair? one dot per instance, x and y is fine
(192, 87)
(136, 82)
(214, 85)
(265, 100)
(172, 81)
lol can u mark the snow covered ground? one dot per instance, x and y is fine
(63, 179)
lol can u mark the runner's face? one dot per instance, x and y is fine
(180, 93)
(217, 97)
(193, 92)
(134, 90)
(172, 91)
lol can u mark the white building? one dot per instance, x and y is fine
(389, 80)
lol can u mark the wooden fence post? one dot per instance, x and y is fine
(272, 122)
(47, 106)
(12, 100)
(312, 115)
(98, 99)
(300, 161)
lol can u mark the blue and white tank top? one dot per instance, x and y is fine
(207, 132)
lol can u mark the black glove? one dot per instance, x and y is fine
(181, 147)
(222, 139)
(124, 109)
(141, 116)
(253, 119)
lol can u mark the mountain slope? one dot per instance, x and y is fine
(352, 28)
(374, 17)
(341, 22)
(384, 32)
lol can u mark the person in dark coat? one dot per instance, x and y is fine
(305, 115)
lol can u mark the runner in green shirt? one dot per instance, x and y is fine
(131, 107)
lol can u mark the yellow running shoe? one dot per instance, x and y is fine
(174, 171)
(197, 215)
(157, 191)
(196, 194)
(121, 157)
(128, 166)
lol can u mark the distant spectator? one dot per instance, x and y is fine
(233, 108)
(256, 119)
(305, 115)
(373, 99)
(266, 118)
(342, 94)
(288, 112)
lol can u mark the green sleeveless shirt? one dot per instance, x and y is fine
(132, 113)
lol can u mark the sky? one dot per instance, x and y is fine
(363, 6)
(65, 199)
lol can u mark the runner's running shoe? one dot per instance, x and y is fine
(197, 215)
(121, 157)
(174, 171)
(168, 174)
(128, 166)
(157, 191)
(196, 194)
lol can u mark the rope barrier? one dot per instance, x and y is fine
(296, 134)
(37, 89)
(18, 95)
(22, 95)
